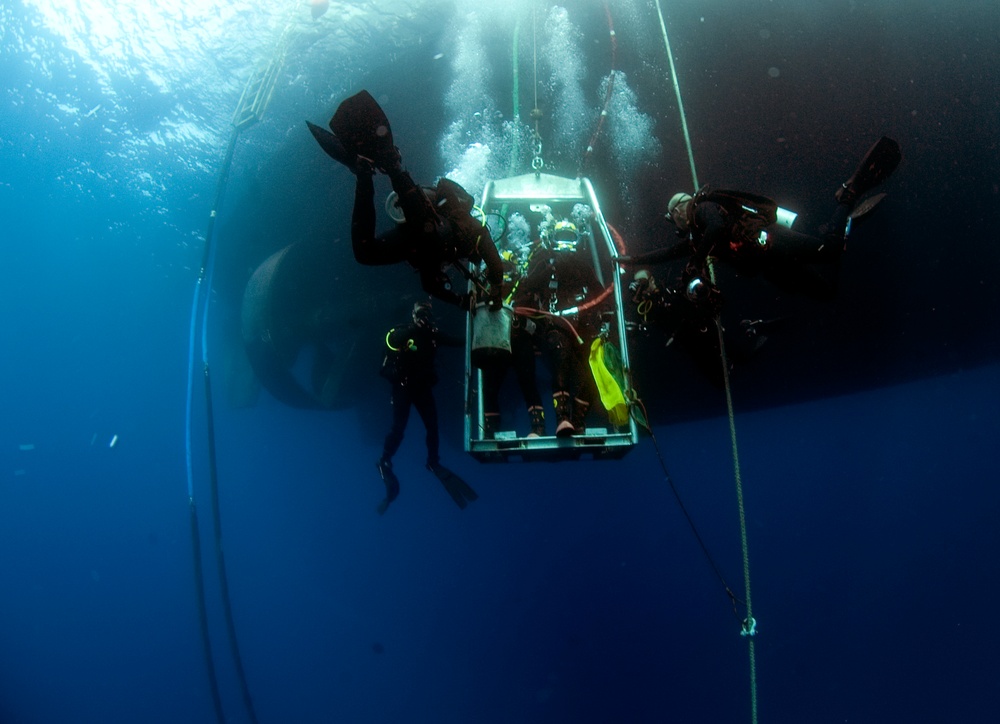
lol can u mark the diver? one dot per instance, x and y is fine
(438, 229)
(684, 312)
(561, 277)
(743, 230)
(409, 366)
(522, 351)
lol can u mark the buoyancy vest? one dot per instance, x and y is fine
(746, 214)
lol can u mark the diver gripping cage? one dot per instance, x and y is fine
(535, 203)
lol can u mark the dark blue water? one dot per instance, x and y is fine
(567, 593)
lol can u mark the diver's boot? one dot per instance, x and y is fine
(564, 426)
(491, 425)
(580, 409)
(877, 165)
(537, 416)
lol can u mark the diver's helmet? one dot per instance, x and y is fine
(565, 236)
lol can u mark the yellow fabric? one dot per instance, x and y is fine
(611, 392)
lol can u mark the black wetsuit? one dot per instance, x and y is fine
(791, 260)
(687, 320)
(430, 239)
(409, 366)
(557, 281)
(522, 359)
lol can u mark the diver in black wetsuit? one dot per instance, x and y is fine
(560, 276)
(438, 229)
(743, 230)
(684, 313)
(409, 366)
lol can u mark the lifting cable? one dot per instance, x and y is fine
(677, 92)
(537, 163)
(749, 625)
(608, 93)
(515, 98)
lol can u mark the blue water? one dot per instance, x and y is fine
(567, 593)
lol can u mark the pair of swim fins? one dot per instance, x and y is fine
(459, 490)
(360, 130)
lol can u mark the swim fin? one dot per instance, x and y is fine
(867, 205)
(391, 483)
(457, 488)
(362, 128)
(877, 165)
(333, 147)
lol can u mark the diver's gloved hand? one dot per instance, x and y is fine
(495, 300)
(363, 166)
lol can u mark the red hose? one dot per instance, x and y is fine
(620, 245)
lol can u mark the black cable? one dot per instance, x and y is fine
(206, 641)
(220, 559)
(694, 529)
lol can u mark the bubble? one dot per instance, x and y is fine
(630, 131)
(773, 72)
(565, 70)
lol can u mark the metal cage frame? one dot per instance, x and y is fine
(598, 442)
